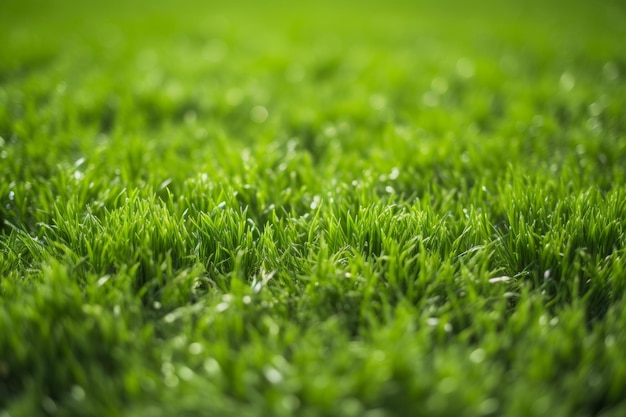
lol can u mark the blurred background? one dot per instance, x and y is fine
(334, 75)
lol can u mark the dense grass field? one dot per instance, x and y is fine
(399, 208)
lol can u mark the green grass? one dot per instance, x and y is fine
(355, 209)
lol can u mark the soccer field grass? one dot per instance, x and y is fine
(404, 208)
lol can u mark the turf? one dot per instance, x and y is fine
(354, 209)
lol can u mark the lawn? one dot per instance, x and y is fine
(399, 208)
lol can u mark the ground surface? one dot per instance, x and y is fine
(414, 208)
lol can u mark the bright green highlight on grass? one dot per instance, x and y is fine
(314, 210)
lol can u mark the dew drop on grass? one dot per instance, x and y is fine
(499, 279)
(596, 108)
(379, 356)
(593, 124)
(174, 90)
(547, 275)
(465, 68)
(330, 131)
(447, 385)
(170, 380)
(259, 114)
(221, 307)
(316, 202)
(403, 131)
(580, 149)
(256, 285)
(272, 375)
(439, 85)
(351, 407)
(211, 366)
(167, 368)
(61, 88)
(77, 393)
(488, 406)
(290, 403)
(234, 96)
(377, 101)
(103, 280)
(272, 328)
(567, 81)
(179, 341)
(190, 117)
(185, 373)
(195, 348)
(610, 71)
(201, 133)
(432, 321)
(478, 355)
(92, 309)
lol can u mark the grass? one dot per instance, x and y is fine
(314, 210)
